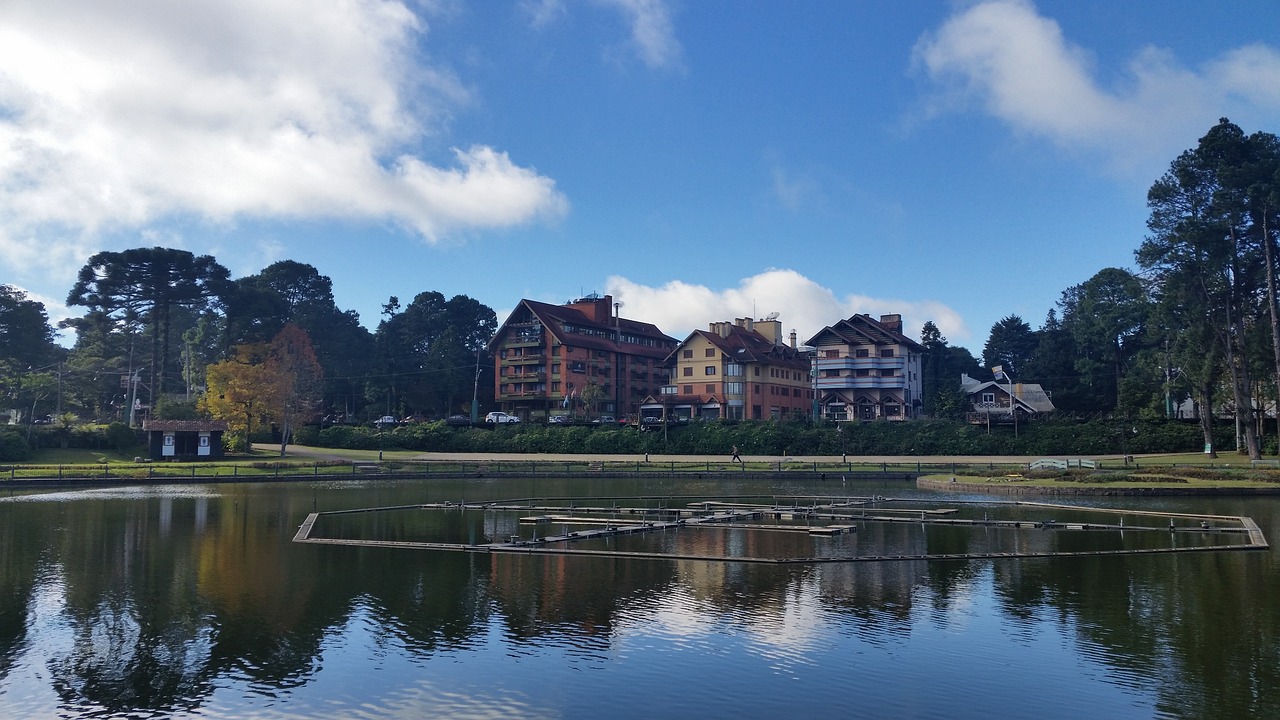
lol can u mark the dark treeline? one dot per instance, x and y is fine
(1192, 332)
(157, 319)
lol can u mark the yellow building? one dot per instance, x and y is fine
(740, 370)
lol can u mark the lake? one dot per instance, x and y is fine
(185, 601)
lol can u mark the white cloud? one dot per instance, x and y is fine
(795, 190)
(543, 12)
(652, 32)
(679, 308)
(119, 115)
(1016, 63)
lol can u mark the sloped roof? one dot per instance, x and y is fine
(749, 346)
(185, 425)
(556, 317)
(1029, 395)
(862, 329)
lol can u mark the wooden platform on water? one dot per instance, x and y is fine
(741, 515)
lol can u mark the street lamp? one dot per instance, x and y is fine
(1013, 404)
(133, 395)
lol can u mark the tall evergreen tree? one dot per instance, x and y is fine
(1203, 252)
(150, 283)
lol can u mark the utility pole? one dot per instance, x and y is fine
(475, 392)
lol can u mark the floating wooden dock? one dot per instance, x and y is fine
(606, 521)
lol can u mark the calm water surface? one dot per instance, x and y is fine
(192, 601)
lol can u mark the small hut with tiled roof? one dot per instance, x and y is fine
(184, 439)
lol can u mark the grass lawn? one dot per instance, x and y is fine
(1197, 478)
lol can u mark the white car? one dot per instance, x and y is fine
(500, 417)
(385, 420)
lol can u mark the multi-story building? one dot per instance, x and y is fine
(578, 357)
(865, 369)
(738, 371)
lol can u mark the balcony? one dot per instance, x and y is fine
(530, 374)
(525, 359)
(871, 382)
(857, 363)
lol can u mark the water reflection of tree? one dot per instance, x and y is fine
(20, 565)
(1174, 624)
(159, 611)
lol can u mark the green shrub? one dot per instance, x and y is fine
(120, 437)
(13, 447)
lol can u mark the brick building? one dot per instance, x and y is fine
(577, 358)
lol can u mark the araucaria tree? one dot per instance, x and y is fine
(149, 283)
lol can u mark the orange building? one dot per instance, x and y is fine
(579, 358)
(737, 371)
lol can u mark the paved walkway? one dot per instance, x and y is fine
(326, 454)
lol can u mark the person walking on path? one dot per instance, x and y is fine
(735, 455)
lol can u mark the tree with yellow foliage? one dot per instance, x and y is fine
(280, 383)
(238, 392)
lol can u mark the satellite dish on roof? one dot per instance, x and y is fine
(771, 316)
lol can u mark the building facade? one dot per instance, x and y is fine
(991, 400)
(866, 369)
(736, 371)
(579, 358)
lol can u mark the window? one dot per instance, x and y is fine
(863, 352)
(891, 410)
(555, 387)
(687, 371)
(709, 370)
(795, 392)
(687, 389)
(888, 372)
(757, 374)
(710, 352)
(733, 369)
(886, 352)
(988, 398)
(686, 354)
(755, 389)
(555, 351)
(711, 389)
(733, 388)
(833, 353)
(864, 372)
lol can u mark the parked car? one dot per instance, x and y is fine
(458, 420)
(604, 420)
(560, 419)
(385, 420)
(500, 417)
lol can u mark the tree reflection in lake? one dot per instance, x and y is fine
(193, 600)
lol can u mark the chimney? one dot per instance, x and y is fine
(892, 322)
(793, 339)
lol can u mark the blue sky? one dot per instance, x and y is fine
(699, 160)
